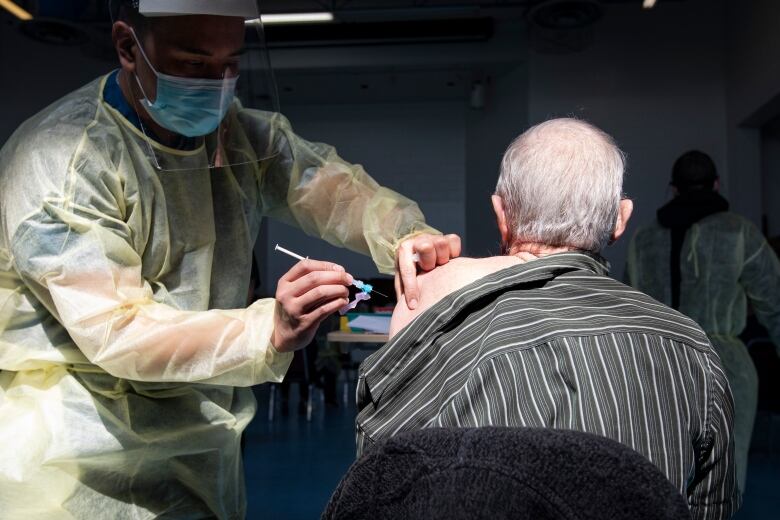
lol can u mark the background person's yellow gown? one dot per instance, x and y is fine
(725, 262)
(118, 377)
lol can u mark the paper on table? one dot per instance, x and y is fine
(378, 324)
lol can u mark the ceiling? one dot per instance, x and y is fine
(387, 49)
(353, 10)
(357, 22)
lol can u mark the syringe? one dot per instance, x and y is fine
(288, 252)
(360, 285)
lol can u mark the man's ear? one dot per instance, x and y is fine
(122, 36)
(498, 208)
(624, 214)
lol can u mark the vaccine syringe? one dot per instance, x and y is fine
(360, 285)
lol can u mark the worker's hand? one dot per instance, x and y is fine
(433, 250)
(307, 294)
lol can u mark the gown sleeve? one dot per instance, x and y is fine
(75, 252)
(309, 186)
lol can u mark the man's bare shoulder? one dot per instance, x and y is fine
(446, 279)
(458, 273)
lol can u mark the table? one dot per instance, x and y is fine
(338, 336)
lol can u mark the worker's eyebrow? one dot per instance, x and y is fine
(202, 52)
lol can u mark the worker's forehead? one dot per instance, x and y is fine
(203, 34)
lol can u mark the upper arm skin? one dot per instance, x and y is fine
(402, 314)
(442, 281)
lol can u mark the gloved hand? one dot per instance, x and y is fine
(306, 295)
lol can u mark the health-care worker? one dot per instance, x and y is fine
(708, 263)
(128, 211)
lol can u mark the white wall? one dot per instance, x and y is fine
(653, 80)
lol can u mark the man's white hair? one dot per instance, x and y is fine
(561, 182)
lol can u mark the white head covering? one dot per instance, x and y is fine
(241, 8)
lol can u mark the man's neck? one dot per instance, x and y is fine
(128, 87)
(521, 249)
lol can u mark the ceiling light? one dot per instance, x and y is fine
(648, 4)
(15, 10)
(280, 18)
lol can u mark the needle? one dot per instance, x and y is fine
(357, 283)
(367, 287)
(288, 252)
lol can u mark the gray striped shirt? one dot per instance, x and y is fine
(556, 343)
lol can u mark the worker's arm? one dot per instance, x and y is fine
(308, 185)
(761, 279)
(79, 262)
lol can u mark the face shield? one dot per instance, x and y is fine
(199, 62)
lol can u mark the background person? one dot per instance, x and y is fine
(708, 262)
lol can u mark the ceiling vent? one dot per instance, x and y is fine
(563, 26)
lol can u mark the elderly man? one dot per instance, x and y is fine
(540, 336)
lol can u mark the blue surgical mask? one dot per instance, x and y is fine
(191, 107)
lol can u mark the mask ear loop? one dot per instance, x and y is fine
(151, 155)
(150, 148)
(146, 59)
(112, 9)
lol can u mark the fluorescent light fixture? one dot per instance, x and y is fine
(15, 10)
(648, 4)
(281, 18)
